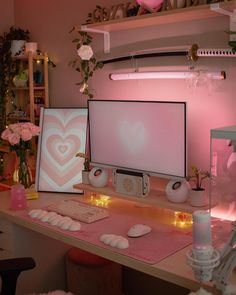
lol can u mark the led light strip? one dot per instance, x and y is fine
(220, 75)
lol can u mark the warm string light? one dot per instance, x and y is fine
(99, 200)
(182, 219)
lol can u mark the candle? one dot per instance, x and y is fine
(201, 230)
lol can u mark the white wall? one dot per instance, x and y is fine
(210, 105)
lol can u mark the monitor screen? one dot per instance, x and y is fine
(146, 136)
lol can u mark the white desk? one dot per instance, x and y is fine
(33, 239)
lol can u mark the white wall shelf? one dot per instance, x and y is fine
(159, 18)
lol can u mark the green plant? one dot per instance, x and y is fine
(86, 161)
(232, 43)
(86, 64)
(197, 177)
(17, 34)
(9, 67)
(22, 75)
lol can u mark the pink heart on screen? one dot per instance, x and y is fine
(132, 136)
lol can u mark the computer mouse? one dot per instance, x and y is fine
(138, 230)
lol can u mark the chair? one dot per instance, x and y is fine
(10, 269)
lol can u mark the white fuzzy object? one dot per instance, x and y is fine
(57, 292)
(114, 241)
(201, 291)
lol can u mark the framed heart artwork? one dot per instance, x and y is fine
(63, 134)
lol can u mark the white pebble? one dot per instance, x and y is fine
(33, 213)
(41, 214)
(55, 220)
(122, 244)
(75, 226)
(65, 225)
(63, 219)
(114, 241)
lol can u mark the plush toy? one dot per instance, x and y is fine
(150, 5)
(57, 292)
(21, 79)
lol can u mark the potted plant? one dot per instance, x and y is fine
(21, 79)
(197, 194)
(86, 170)
(18, 37)
(9, 67)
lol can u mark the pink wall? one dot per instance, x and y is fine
(6, 15)
(210, 105)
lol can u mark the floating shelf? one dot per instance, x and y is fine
(159, 18)
(34, 56)
(156, 198)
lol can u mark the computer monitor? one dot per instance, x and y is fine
(143, 136)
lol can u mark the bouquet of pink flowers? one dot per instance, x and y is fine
(19, 136)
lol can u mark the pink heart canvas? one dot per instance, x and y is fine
(63, 134)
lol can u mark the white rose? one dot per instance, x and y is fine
(85, 52)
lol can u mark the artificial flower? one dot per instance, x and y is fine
(19, 136)
(86, 64)
(85, 52)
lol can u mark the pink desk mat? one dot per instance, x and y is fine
(162, 241)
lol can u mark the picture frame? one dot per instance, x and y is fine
(63, 135)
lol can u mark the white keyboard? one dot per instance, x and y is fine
(79, 211)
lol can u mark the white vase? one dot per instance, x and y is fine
(198, 198)
(17, 47)
(85, 177)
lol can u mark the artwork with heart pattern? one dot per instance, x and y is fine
(63, 134)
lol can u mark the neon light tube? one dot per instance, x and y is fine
(220, 75)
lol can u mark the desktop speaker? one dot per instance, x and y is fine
(131, 183)
(177, 191)
(98, 177)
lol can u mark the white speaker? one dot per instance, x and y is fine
(177, 191)
(98, 177)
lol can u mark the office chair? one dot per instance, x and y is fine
(10, 269)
